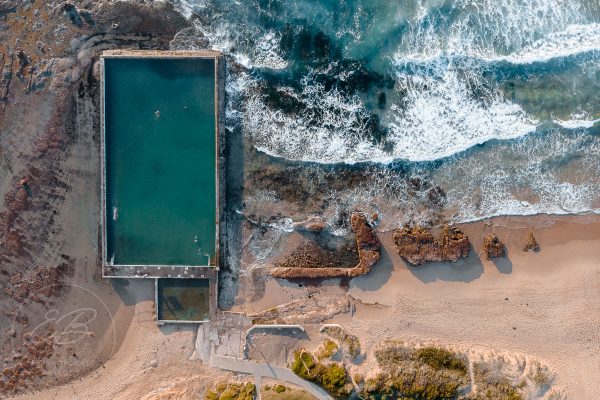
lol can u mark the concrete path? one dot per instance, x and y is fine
(260, 370)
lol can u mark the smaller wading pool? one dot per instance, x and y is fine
(183, 300)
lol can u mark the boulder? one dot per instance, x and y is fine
(311, 224)
(417, 245)
(493, 247)
(531, 243)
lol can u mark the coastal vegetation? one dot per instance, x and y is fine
(328, 348)
(331, 376)
(428, 373)
(231, 391)
(349, 342)
(283, 392)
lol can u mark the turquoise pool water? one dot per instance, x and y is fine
(183, 300)
(160, 160)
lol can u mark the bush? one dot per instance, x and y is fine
(349, 341)
(329, 349)
(232, 391)
(438, 359)
(303, 364)
(279, 388)
(331, 377)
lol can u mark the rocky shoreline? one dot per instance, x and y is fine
(367, 246)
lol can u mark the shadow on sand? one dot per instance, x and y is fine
(379, 275)
(465, 270)
(133, 291)
(503, 264)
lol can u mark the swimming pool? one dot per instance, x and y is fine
(160, 176)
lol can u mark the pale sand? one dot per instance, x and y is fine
(553, 304)
(151, 363)
(552, 311)
(546, 304)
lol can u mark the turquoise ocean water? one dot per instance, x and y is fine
(160, 161)
(495, 101)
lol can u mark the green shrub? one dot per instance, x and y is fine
(303, 364)
(438, 359)
(329, 349)
(279, 388)
(332, 377)
(232, 391)
(349, 341)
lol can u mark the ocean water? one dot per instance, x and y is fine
(495, 101)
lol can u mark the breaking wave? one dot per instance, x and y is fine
(421, 82)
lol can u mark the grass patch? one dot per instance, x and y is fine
(438, 358)
(328, 349)
(429, 373)
(493, 384)
(232, 391)
(350, 342)
(332, 377)
(279, 388)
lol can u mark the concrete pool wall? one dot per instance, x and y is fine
(130, 266)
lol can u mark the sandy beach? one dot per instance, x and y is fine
(282, 168)
(542, 305)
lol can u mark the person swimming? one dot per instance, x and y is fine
(157, 114)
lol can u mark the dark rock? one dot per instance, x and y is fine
(304, 266)
(436, 196)
(71, 11)
(381, 101)
(493, 247)
(417, 245)
(531, 243)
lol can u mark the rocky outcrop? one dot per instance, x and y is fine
(367, 246)
(493, 247)
(42, 283)
(417, 245)
(531, 243)
(311, 224)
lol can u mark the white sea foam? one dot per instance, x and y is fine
(440, 118)
(576, 39)
(577, 121)
(249, 45)
(329, 131)
(498, 28)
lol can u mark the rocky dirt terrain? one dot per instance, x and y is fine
(49, 180)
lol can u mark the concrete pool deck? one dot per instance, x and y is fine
(207, 268)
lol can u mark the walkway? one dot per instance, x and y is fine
(260, 370)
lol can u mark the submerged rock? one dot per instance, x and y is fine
(417, 245)
(493, 247)
(367, 246)
(311, 224)
(531, 243)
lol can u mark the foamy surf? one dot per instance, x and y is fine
(516, 73)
